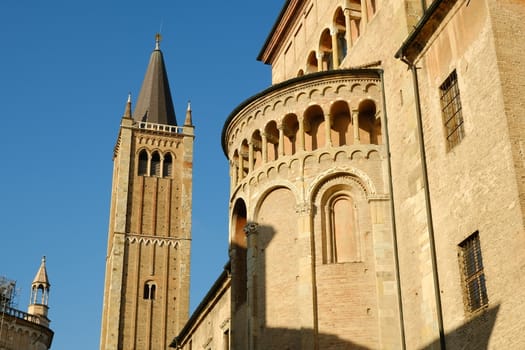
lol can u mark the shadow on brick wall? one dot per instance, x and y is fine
(246, 306)
(473, 335)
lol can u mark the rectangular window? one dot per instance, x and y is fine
(473, 274)
(451, 110)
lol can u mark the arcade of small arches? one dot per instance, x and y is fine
(349, 22)
(306, 132)
(154, 163)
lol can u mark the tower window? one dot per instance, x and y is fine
(155, 164)
(167, 167)
(451, 110)
(473, 273)
(149, 290)
(143, 163)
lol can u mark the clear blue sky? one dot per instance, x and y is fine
(66, 68)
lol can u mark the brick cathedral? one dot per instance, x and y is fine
(377, 189)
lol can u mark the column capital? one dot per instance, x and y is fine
(303, 208)
(250, 228)
(319, 55)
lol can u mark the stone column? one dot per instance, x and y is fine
(335, 47)
(233, 174)
(301, 133)
(328, 128)
(251, 269)
(319, 57)
(241, 166)
(250, 156)
(264, 148)
(281, 139)
(355, 122)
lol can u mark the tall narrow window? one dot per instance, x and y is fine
(167, 166)
(451, 110)
(473, 273)
(143, 163)
(155, 164)
(149, 290)
(343, 240)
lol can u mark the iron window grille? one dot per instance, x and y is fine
(473, 273)
(451, 110)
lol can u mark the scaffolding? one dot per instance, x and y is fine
(7, 292)
(7, 303)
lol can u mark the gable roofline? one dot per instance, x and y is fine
(290, 11)
(418, 39)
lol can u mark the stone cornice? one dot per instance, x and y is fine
(155, 240)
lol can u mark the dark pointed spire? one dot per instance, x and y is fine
(154, 104)
(188, 121)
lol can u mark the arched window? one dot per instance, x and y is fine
(325, 46)
(235, 168)
(155, 164)
(341, 231)
(257, 149)
(245, 158)
(167, 166)
(341, 202)
(369, 125)
(290, 128)
(150, 289)
(341, 129)
(143, 163)
(311, 63)
(272, 140)
(39, 294)
(340, 25)
(314, 128)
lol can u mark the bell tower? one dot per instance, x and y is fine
(146, 294)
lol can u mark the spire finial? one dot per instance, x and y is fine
(158, 38)
(188, 121)
(127, 111)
